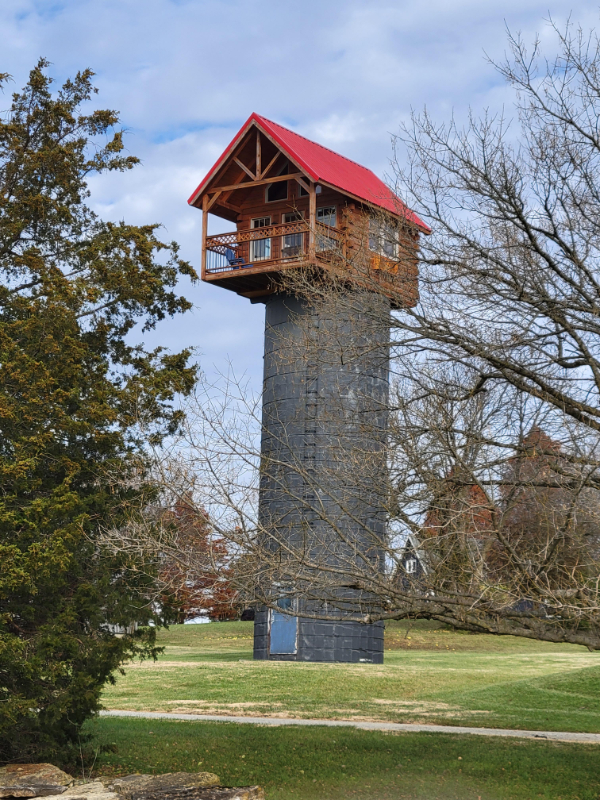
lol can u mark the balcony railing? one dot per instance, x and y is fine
(284, 243)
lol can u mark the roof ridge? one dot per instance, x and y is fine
(322, 164)
(322, 146)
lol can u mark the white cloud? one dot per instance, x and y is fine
(186, 74)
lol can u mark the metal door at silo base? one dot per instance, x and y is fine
(283, 630)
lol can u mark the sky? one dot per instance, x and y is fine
(186, 74)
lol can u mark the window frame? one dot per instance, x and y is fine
(410, 565)
(323, 243)
(266, 241)
(301, 192)
(286, 243)
(380, 229)
(269, 186)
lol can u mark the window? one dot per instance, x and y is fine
(279, 190)
(260, 249)
(292, 242)
(383, 237)
(326, 216)
(303, 193)
(410, 565)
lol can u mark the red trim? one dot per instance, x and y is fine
(320, 164)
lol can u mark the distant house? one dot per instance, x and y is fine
(459, 506)
(412, 563)
(468, 529)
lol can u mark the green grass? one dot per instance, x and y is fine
(430, 675)
(324, 764)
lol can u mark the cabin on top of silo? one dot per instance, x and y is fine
(295, 203)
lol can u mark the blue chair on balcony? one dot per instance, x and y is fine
(235, 262)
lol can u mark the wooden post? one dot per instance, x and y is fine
(312, 222)
(204, 232)
(258, 156)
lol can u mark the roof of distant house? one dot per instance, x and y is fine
(321, 165)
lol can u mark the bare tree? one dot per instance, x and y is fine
(501, 346)
(509, 276)
(510, 541)
(190, 566)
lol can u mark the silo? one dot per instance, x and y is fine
(325, 401)
(300, 209)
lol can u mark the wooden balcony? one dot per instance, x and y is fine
(266, 248)
(250, 262)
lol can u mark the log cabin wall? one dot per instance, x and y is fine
(399, 276)
(255, 204)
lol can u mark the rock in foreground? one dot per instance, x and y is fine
(96, 790)
(41, 780)
(92, 790)
(171, 785)
(32, 780)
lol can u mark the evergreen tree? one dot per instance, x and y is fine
(74, 391)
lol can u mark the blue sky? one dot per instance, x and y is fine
(186, 74)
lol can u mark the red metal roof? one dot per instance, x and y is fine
(323, 166)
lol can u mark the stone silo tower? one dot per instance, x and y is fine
(298, 205)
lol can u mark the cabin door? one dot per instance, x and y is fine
(284, 630)
(260, 249)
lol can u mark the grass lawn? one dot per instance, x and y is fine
(430, 675)
(323, 764)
